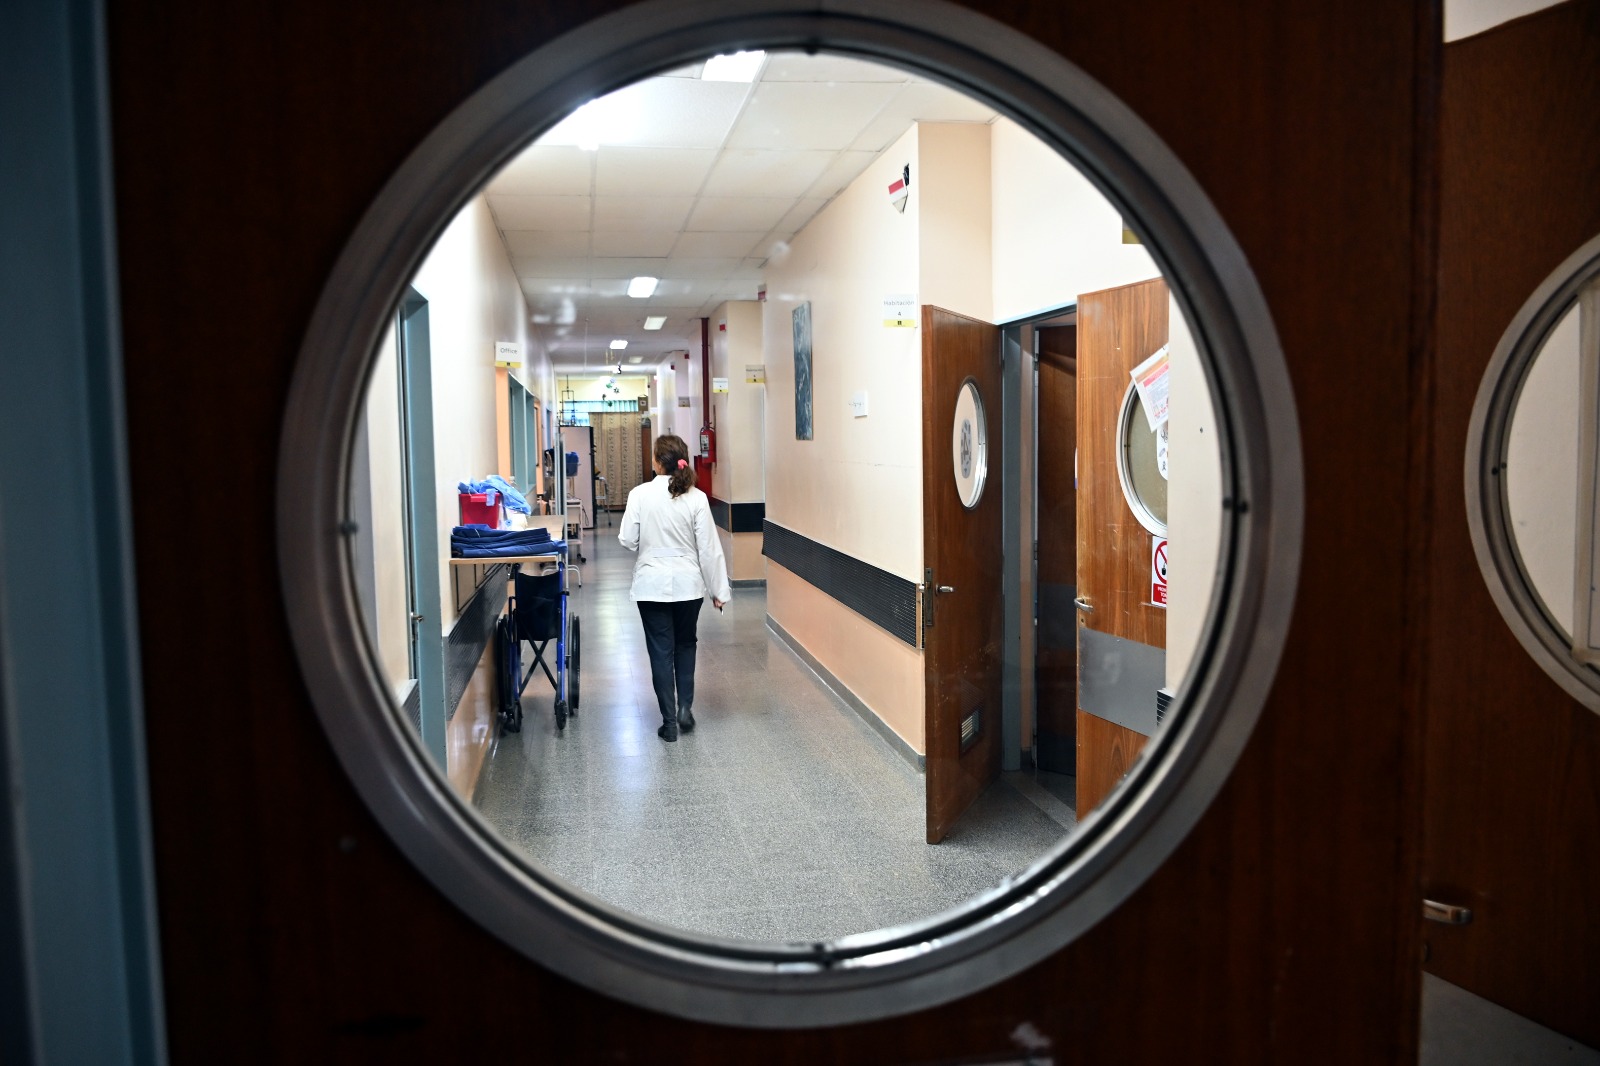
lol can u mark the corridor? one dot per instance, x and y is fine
(782, 816)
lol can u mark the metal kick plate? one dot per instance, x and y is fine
(1118, 679)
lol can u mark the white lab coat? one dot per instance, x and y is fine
(680, 555)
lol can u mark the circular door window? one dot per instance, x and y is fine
(358, 359)
(1532, 463)
(969, 446)
(1142, 464)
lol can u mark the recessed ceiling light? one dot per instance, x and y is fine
(655, 321)
(618, 344)
(741, 66)
(635, 358)
(639, 288)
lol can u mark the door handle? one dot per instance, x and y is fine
(416, 617)
(1445, 913)
(946, 588)
(1082, 604)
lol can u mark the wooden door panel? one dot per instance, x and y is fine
(1056, 666)
(1117, 330)
(292, 930)
(1106, 751)
(962, 654)
(1512, 804)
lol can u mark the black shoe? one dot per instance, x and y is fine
(685, 721)
(668, 732)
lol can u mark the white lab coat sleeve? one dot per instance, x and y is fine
(629, 533)
(708, 546)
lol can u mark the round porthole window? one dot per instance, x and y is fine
(1142, 464)
(969, 446)
(1532, 460)
(533, 162)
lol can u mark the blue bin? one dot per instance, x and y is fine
(572, 464)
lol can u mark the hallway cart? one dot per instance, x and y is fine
(539, 613)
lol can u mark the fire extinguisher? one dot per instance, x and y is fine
(708, 444)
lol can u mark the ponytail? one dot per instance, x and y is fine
(672, 455)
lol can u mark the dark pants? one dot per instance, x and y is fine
(669, 636)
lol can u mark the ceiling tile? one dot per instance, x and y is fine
(546, 170)
(522, 242)
(736, 213)
(641, 212)
(796, 218)
(699, 268)
(920, 102)
(716, 245)
(797, 66)
(842, 170)
(763, 172)
(627, 266)
(541, 212)
(802, 115)
(632, 242)
(654, 171)
(656, 113)
(551, 267)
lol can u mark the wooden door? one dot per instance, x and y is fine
(1117, 330)
(1056, 667)
(1282, 929)
(1512, 785)
(962, 553)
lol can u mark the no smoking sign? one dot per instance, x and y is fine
(1158, 571)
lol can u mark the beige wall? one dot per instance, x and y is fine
(743, 552)
(1542, 470)
(952, 178)
(880, 670)
(741, 412)
(1194, 499)
(1055, 236)
(857, 486)
(474, 300)
(386, 474)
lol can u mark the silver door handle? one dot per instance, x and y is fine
(946, 588)
(1082, 604)
(1445, 913)
(416, 617)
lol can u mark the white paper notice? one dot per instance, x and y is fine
(719, 384)
(1150, 378)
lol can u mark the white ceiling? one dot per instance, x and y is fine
(693, 182)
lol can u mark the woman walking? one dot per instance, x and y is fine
(668, 522)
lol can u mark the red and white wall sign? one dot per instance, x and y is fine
(1158, 571)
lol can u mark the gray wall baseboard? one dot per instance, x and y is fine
(749, 583)
(865, 713)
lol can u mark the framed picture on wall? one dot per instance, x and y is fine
(802, 372)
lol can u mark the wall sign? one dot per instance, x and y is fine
(1158, 571)
(719, 384)
(900, 310)
(507, 354)
(755, 373)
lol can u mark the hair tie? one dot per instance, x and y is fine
(682, 463)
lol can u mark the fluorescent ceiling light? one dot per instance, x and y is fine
(635, 358)
(655, 321)
(618, 344)
(639, 288)
(741, 66)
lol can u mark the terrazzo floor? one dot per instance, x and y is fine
(782, 816)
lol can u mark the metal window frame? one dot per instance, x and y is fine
(1489, 520)
(1020, 921)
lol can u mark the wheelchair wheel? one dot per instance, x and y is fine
(561, 714)
(572, 667)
